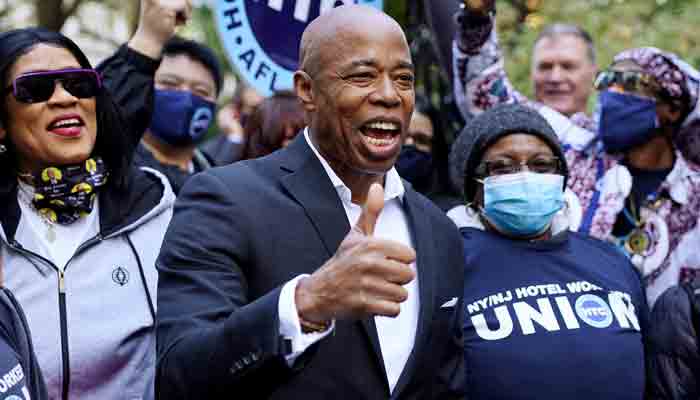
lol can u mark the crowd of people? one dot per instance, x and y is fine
(306, 249)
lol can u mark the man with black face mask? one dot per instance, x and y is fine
(415, 163)
(187, 84)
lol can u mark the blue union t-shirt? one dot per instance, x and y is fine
(556, 319)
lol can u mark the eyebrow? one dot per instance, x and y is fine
(178, 78)
(368, 62)
(170, 76)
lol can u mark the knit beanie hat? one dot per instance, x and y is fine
(486, 129)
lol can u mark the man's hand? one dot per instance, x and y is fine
(157, 22)
(363, 278)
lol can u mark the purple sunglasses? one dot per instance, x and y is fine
(37, 87)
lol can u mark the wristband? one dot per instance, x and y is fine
(313, 327)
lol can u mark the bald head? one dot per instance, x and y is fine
(335, 26)
(356, 84)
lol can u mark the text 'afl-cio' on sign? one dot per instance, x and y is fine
(261, 37)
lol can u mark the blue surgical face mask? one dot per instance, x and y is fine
(522, 204)
(414, 165)
(626, 120)
(180, 118)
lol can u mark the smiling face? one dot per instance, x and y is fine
(59, 131)
(562, 73)
(360, 95)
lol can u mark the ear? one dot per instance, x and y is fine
(669, 115)
(303, 86)
(3, 132)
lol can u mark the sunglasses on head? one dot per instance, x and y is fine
(630, 81)
(37, 87)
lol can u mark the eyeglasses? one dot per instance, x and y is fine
(630, 81)
(540, 165)
(36, 87)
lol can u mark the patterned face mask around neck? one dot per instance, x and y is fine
(67, 193)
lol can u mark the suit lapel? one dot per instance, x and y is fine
(311, 187)
(421, 233)
(370, 329)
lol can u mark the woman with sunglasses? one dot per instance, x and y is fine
(548, 313)
(640, 183)
(80, 227)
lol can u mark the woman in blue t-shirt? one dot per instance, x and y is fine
(548, 313)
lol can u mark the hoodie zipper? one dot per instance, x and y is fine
(62, 310)
(64, 333)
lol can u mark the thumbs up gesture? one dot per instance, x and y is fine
(365, 276)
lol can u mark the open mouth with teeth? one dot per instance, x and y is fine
(381, 136)
(67, 127)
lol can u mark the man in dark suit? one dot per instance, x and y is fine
(265, 291)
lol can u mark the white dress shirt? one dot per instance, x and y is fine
(396, 335)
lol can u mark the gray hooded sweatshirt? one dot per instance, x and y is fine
(93, 324)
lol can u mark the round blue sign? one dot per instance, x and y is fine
(261, 37)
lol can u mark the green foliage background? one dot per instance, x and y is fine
(615, 25)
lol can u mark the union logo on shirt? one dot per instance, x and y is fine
(494, 317)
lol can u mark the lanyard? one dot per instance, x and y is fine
(593, 204)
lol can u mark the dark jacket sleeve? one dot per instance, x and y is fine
(129, 76)
(674, 355)
(15, 331)
(213, 340)
(221, 150)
